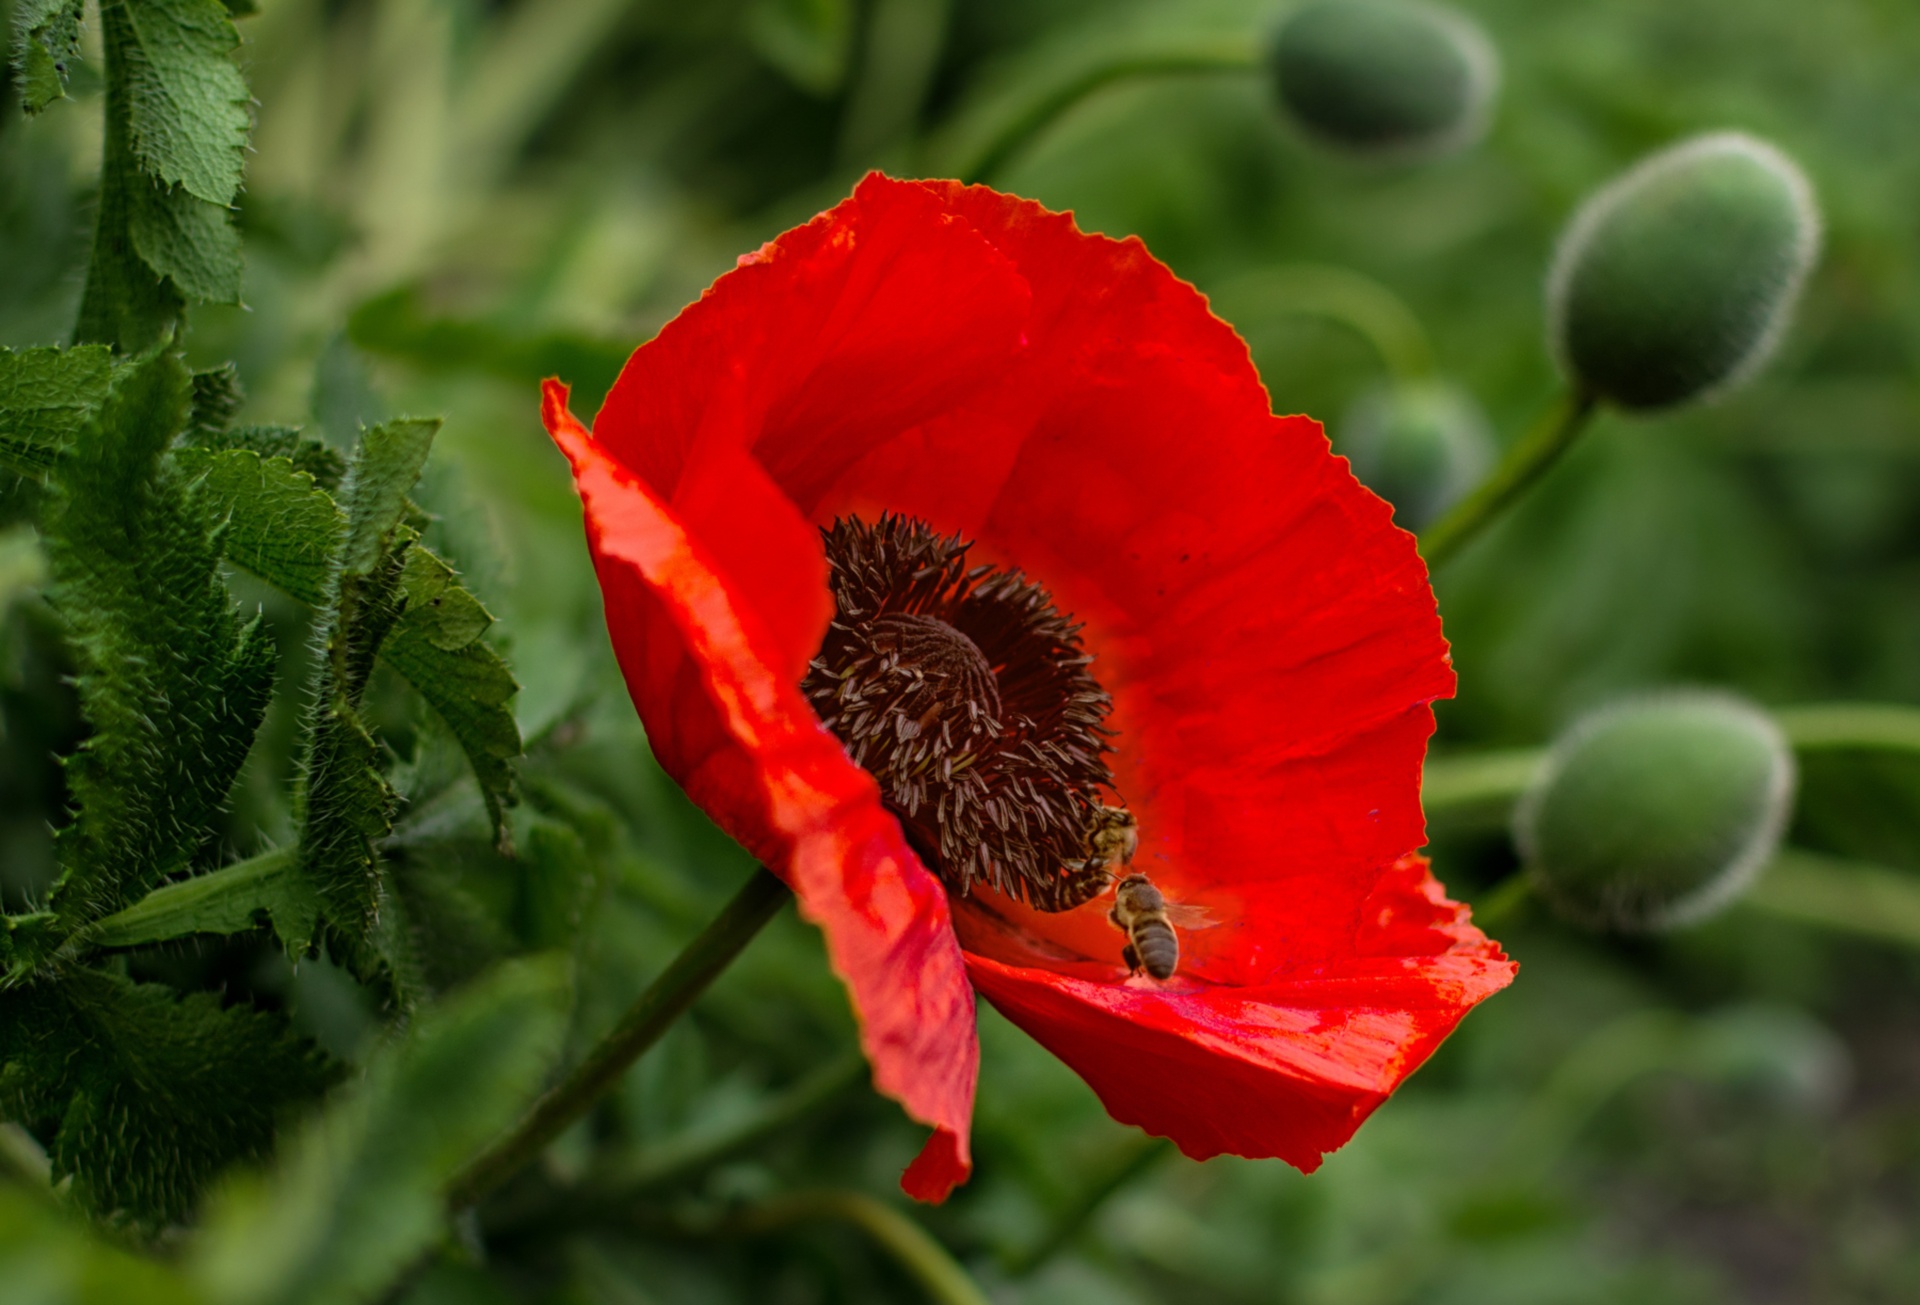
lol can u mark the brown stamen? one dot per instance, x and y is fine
(967, 694)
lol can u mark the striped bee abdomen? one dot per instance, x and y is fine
(1157, 947)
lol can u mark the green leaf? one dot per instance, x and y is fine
(45, 396)
(343, 804)
(188, 118)
(280, 524)
(46, 43)
(145, 1094)
(383, 473)
(217, 396)
(358, 1196)
(437, 646)
(316, 459)
(176, 132)
(225, 901)
(54, 1259)
(191, 242)
(170, 681)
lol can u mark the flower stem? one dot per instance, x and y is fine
(1846, 896)
(650, 1016)
(1333, 294)
(1049, 105)
(1140, 1156)
(1477, 781)
(911, 1247)
(1527, 461)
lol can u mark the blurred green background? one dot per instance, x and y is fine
(452, 198)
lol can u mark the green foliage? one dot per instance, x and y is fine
(46, 395)
(437, 646)
(280, 524)
(358, 1195)
(171, 681)
(145, 1093)
(344, 804)
(53, 1259)
(225, 901)
(46, 42)
(176, 133)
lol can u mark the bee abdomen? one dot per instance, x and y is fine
(1159, 950)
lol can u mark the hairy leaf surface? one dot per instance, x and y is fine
(358, 1196)
(45, 396)
(46, 43)
(145, 1093)
(171, 682)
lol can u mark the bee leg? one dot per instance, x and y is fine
(1131, 957)
(1113, 917)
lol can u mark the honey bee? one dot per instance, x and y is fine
(1112, 838)
(1144, 914)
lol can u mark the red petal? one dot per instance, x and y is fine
(1286, 1069)
(798, 802)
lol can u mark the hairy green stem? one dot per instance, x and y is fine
(1035, 118)
(698, 965)
(911, 1247)
(1528, 460)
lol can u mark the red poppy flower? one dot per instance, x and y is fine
(1077, 568)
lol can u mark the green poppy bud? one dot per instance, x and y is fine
(1419, 445)
(1657, 811)
(1674, 281)
(1393, 77)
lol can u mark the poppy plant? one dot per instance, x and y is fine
(958, 568)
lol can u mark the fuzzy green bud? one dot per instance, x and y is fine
(1675, 281)
(1419, 445)
(1388, 77)
(1657, 811)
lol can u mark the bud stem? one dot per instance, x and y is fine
(910, 1245)
(1529, 459)
(697, 966)
(1335, 294)
(1049, 104)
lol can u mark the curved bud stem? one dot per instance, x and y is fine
(1528, 460)
(910, 1245)
(1047, 106)
(697, 966)
(1336, 294)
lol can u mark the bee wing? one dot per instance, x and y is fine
(1183, 915)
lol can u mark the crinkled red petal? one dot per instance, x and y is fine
(1270, 639)
(1285, 1068)
(817, 820)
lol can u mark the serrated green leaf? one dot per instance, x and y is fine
(217, 396)
(171, 682)
(437, 646)
(359, 1194)
(46, 43)
(343, 804)
(126, 303)
(45, 396)
(316, 459)
(191, 242)
(280, 525)
(146, 1094)
(383, 473)
(188, 118)
(225, 901)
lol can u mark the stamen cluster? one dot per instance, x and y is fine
(967, 694)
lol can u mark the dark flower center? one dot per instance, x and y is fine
(966, 693)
